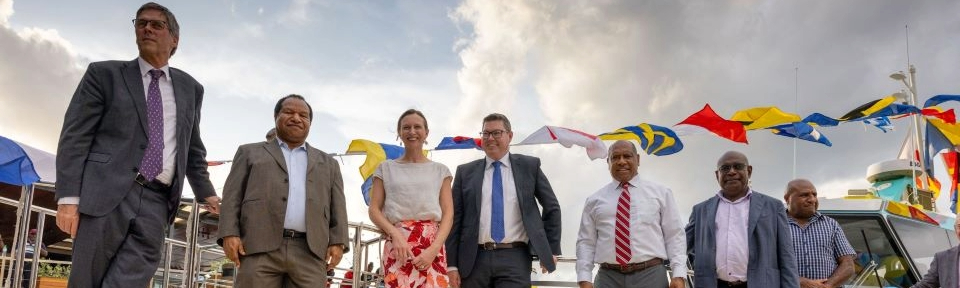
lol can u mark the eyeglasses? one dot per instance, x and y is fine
(496, 134)
(727, 167)
(154, 24)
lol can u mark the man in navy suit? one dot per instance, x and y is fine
(130, 135)
(740, 237)
(497, 226)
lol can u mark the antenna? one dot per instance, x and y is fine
(906, 32)
(796, 107)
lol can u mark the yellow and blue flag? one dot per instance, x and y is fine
(376, 153)
(653, 139)
(885, 106)
(763, 117)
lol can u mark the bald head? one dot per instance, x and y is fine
(801, 197)
(736, 155)
(623, 161)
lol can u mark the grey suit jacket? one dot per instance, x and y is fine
(771, 261)
(104, 138)
(255, 199)
(532, 186)
(943, 270)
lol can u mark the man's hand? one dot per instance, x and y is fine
(454, 276)
(813, 283)
(544, 269)
(68, 218)
(677, 283)
(233, 247)
(334, 254)
(585, 284)
(213, 204)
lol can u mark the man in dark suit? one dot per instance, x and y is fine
(943, 269)
(497, 226)
(284, 214)
(740, 237)
(130, 135)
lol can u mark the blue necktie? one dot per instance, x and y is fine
(496, 217)
(152, 161)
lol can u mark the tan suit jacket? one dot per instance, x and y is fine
(255, 199)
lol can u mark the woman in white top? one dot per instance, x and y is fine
(411, 202)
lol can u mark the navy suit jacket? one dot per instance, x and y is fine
(771, 261)
(104, 138)
(943, 270)
(532, 186)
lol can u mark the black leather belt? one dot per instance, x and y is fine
(154, 184)
(290, 233)
(632, 267)
(495, 246)
(732, 283)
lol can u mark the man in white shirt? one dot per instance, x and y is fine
(497, 224)
(630, 226)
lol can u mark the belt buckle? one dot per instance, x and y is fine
(624, 268)
(489, 246)
(140, 179)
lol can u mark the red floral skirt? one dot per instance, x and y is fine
(420, 235)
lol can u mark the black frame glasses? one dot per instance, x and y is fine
(154, 24)
(495, 134)
(736, 166)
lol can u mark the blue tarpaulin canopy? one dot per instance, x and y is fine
(16, 168)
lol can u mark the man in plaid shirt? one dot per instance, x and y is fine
(824, 256)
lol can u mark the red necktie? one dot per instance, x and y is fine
(623, 226)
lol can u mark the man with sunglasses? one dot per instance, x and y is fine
(130, 135)
(740, 237)
(497, 226)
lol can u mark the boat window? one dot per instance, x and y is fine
(879, 263)
(921, 240)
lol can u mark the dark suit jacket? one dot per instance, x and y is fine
(771, 261)
(255, 199)
(943, 270)
(542, 229)
(104, 138)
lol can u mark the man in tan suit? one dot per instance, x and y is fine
(283, 211)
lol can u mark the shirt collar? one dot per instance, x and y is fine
(816, 217)
(505, 161)
(744, 198)
(634, 182)
(146, 67)
(284, 145)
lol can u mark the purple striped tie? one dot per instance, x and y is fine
(153, 157)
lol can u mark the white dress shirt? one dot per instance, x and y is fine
(732, 238)
(512, 221)
(296, 158)
(656, 229)
(169, 103)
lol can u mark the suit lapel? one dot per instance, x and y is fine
(313, 158)
(134, 82)
(754, 214)
(182, 96)
(517, 171)
(273, 148)
(711, 213)
(478, 184)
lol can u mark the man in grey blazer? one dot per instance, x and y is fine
(130, 135)
(740, 237)
(943, 269)
(284, 214)
(497, 226)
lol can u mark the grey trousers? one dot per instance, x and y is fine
(123, 248)
(500, 268)
(292, 265)
(653, 277)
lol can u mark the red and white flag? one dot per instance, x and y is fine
(568, 137)
(706, 120)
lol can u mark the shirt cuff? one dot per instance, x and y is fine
(451, 268)
(69, 200)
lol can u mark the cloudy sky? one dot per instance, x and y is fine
(588, 65)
